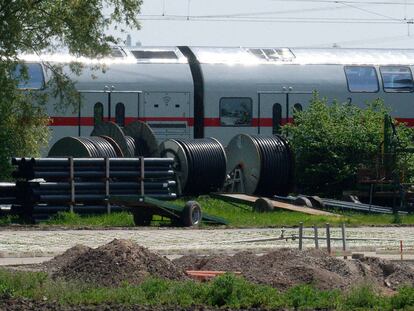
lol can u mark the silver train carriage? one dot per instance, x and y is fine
(193, 92)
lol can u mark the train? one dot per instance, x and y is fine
(196, 92)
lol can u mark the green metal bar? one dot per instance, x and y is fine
(142, 201)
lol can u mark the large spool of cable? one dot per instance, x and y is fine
(83, 147)
(200, 164)
(143, 137)
(266, 163)
(116, 133)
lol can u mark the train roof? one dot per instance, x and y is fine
(304, 56)
(245, 56)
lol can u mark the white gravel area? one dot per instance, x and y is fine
(167, 241)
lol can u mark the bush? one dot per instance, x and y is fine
(363, 297)
(403, 299)
(23, 125)
(235, 292)
(306, 296)
(332, 141)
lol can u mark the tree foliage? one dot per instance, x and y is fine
(37, 26)
(331, 141)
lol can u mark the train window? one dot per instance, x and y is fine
(297, 107)
(276, 118)
(29, 76)
(362, 79)
(148, 54)
(120, 114)
(397, 79)
(236, 111)
(98, 113)
(258, 53)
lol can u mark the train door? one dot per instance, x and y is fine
(93, 109)
(168, 114)
(299, 101)
(273, 112)
(124, 107)
(277, 109)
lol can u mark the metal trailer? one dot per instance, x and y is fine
(143, 208)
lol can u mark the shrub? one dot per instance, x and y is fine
(403, 299)
(332, 141)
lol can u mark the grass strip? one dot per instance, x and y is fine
(224, 291)
(238, 215)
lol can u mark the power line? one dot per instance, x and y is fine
(274, 12)
(350, 2)
(370, 12)
(364, 41)
(274, 19)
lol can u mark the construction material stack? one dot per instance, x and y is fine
(46, 186)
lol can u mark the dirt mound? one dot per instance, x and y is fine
(393, 275)
(285, 268)
(67, 257)
(116, 262)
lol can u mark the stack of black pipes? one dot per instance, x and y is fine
(44, 185)
(7, 193)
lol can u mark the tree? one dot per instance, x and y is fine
(36, 26)
(332, 141)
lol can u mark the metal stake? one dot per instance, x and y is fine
(344, 239)
(142, 175)
(72, 183)
(328, 238)
(300, 235)
(315, 231)
(107, 168)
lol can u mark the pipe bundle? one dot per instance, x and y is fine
(49, 185)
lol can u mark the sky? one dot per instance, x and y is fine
(276, 23)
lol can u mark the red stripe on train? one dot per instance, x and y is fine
(208, 122)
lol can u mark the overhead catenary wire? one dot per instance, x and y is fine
(290, 19)
(264, 16)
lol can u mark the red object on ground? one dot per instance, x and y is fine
(206, 275)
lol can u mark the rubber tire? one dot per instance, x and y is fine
(191, 209)
(142, 217)
(263, 205)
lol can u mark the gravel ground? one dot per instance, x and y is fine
(37, 243)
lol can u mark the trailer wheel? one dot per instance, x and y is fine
(142, 217)
(191, 215)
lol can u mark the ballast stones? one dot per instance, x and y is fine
(266, 164)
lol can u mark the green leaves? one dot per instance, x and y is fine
(36, 26)
(332, 140)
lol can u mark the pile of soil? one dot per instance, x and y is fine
(285, 268)
(66, 258)
(393, 275)
(114, 263)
